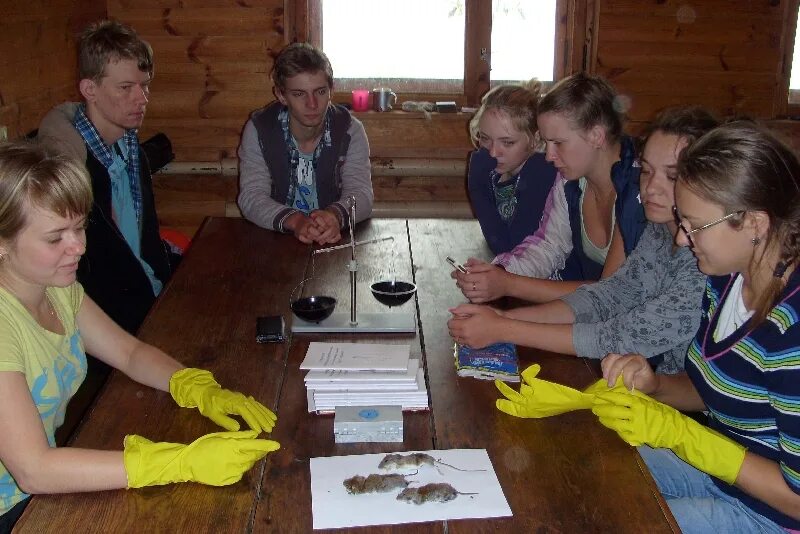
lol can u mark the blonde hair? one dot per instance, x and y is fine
(32, 176)
(519, 102)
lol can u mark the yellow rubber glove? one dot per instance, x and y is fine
(539, 398)
(215, 459)
(641, 420)
(196, 388)
(601, 386)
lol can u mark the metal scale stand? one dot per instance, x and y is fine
(371, 322)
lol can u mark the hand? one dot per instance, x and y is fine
(639, 420)
(196, 388)
(601, 386)
(475, 326)
(328, 225)
(304, 228)
(540, 398)
(483, 282)
(215, 459)
(634, 369)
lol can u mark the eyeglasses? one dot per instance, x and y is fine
(689, 233)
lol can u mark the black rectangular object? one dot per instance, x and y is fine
(270, 329)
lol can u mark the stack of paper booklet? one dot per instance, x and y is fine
(363, 374)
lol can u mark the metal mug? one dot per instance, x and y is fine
(383, 98)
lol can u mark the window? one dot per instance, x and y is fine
(794, 79)
(523, 40)
(414, 44)
(438, 47)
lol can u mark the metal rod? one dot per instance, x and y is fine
(358, 244)
(353, 263)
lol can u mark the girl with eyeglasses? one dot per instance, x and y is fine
(738, 205)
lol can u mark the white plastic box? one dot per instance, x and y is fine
(357, 424)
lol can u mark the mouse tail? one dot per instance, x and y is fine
(457, 469)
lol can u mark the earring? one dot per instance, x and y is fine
(755, 241)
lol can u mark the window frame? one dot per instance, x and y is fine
(787, 101)
(574, 49)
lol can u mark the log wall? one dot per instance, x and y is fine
(212, 62)
(38, 57)
(213, 59)
(726, 55)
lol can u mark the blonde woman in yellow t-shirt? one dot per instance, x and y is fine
(47, 324)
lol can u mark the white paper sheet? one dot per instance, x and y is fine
(331, 376)
(333, 507)
(356, 356)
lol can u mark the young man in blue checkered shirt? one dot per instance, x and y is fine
(126, 263)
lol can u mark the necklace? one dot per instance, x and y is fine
(505, 196)
(50, 308)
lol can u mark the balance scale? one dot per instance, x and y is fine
(387, 292)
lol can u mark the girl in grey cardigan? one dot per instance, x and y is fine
(651, 305)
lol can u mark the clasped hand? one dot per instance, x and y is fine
(321, 227)
(474, 325)
(196, 388)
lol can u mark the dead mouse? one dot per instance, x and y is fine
(414, 459)
(374, 483)
(439, 492)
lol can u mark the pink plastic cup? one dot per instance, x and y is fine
(360, 100)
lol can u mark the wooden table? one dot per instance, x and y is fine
(561, 474)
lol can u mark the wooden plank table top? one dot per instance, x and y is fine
(561, 474)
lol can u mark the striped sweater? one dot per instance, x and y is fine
(750, 383)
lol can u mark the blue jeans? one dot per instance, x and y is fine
(696, 502)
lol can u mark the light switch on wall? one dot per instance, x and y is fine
(3, 133)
